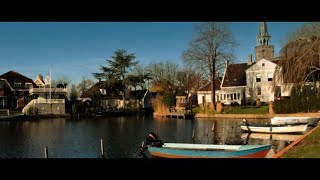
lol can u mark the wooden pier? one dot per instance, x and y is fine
(178, 115)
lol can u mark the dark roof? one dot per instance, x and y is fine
(15, 77)
(207, 87)
(235, 75)
(94, 91)
(275, 61)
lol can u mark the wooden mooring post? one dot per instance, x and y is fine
(213, 126)
(102, 148)
(46, 152)
(193, 131)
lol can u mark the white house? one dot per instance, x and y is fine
(252, 80)
(233, 84)
(260, 80)
(204, 93)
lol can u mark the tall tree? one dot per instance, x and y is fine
(118, 69)
(84, 85)
(164, 76)
(73, 93)
(139, 77)
(299, 60)
(209, 51)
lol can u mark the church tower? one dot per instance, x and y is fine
(263, 48)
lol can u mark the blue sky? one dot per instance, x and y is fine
(76, 49)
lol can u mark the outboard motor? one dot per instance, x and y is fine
(244, 122)
(153, 140)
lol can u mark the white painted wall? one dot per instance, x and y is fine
(262, 67)
(207, 95)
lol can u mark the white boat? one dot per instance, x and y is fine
(277, 137)
(295, 120)
(282, 128)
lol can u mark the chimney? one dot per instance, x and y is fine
(249, 59)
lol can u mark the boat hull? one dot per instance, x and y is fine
(276, 129)
(235, 151)
(294, 120)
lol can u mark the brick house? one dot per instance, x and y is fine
(14, 90)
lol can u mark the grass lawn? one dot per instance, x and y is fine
(247, 110)
(309, 147)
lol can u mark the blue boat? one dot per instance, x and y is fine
(184, 150)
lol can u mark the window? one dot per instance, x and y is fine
(269, 76)
(17, 85)
(1, 84)
(220, 97)
(262, 64)
(258, 78)
(28, 85)
(238, 95)
(227, 96)
(258, 90)
(235, 95)
(231, 96)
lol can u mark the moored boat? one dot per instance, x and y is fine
(271, 128)
(295, 120)
(184, 150)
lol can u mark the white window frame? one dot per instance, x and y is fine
(258, 76)
(28, 84)
(269, 77)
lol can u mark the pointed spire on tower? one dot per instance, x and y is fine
(264, 49)
(263, 37)
(263, 29)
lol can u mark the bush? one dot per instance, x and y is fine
(303, 99)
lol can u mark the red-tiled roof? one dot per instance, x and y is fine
(15, 77)
(235, 75)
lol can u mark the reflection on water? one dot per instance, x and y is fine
(66, 138)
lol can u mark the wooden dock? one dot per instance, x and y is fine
(178, 115)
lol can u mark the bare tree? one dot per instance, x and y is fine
(73, 93)
(164, 75)
(209, 51)
(299, 61)
(63, 79)
(251, 88)
(84, 85)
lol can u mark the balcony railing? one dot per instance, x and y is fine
(48, 101)
(46, 90)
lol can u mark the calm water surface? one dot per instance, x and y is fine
(71, 138)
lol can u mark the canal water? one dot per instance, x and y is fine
(122, 136)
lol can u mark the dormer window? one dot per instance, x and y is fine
(17, 85)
